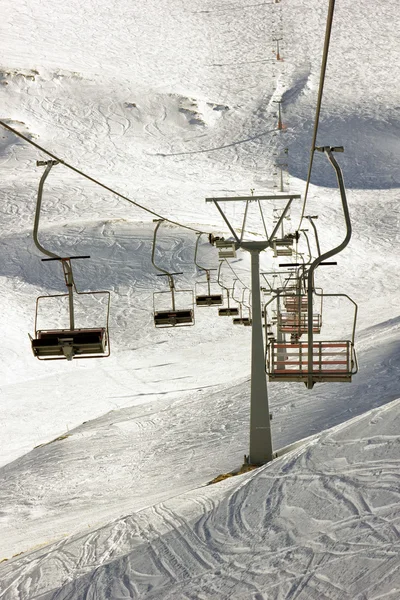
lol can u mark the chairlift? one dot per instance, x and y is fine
(207, 299)
(296, 303)
(172, 317)
(226, 249)
(283, 246)
(226, 311)
(295, 319)
(333, 361)
(74, 342)
(241, 320)
(315, 361)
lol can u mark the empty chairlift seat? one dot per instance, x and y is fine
(242, 321)
(229, 311)
(293, 322)
(68, 344)
(209, 300)
(332, 361)
(173, 318)
(283, 247)
(295, 303)
(225, 249)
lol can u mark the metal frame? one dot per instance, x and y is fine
(247, 199)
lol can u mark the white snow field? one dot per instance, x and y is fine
(104, 463)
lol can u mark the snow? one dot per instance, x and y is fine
(104, 463)
(319, 522)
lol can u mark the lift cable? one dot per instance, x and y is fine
(319, 100)
(94, 180)
(234, 272)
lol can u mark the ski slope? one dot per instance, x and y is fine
(104, 463)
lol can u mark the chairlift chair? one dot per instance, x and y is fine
(332, 361)
(283, 247)
(241, 320)
(293, 322)
(172, 317)
(74, 342)
(226, 311)
(226, 249)
(207, 299)
(295, 303)
(246, 321)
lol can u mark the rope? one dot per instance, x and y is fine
(96, 181)
(319, 100)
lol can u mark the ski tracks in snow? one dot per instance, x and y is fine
(311, 525)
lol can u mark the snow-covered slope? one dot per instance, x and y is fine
(320, 522)
(169, 103)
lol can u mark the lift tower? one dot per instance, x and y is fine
(260, 451)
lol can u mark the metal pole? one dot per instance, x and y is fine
(69, 281)
(280, 337)
(260, 425)
(71, 306)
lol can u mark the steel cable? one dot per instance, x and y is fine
(319, 100)
(15, 132)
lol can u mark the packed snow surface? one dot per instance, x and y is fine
(104, 463)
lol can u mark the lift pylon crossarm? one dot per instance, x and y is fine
(239, 242)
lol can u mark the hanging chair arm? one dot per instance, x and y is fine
(310, 218)
(219, 277)
(49, 165)
(163, 271)
(195, 256)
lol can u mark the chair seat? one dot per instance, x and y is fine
(69, 343)
(317, 376)
(242, 321)
(171, 318)
(228, 312)
(212, 300)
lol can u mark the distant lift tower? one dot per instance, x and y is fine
(260, 427)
